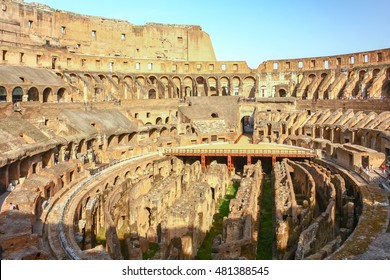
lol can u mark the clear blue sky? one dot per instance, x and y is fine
(259, 30)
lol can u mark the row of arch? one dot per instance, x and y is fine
(156, 87)
(17, 94)
(103, 87)
(357, 84)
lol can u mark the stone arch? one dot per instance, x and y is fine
(386, 85)
(46, 95)
(89, 78)
(201, 86)
(166, 120)
(362, 73)
(213, 86)
(152, 93)
(122, 139)
(132, 139)
(236, 83)
(159, 121)
(140, 80)
(17, 94)
(153, 80)
(3, 94)
(61, 95)
(80, 146)
(103, 78)
(148, 167)
(225, 85)
(167, 88)
(128, 80)
(110, 141)
(188, 86)
(138, 171)
(153, 134)
(190, 130)
(116, 79)
(33, 94)
(173, 131)
(177, 86)
(164, 132)
(73, 78)
(319, 91)
(282, 92)
(127, 85)
(249, 87)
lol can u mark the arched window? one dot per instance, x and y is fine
(17, 94)
(3, 94)
(33, 94)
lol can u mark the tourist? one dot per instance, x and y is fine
(12, 206)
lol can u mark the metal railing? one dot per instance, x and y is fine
(243, 152)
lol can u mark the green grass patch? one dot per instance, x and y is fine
(204, 252)
(153, 249)
(266, 235)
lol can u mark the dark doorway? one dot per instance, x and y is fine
(17, 94)
(46, 94)
(247, 123)
(3, 94)
(32, 94)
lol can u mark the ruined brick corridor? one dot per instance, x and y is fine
(87, 126)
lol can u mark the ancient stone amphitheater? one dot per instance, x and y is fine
(120, 141)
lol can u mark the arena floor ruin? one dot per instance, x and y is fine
(113, 150)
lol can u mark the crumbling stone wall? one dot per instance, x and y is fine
(240, 228)
(173, 207)
(307, 197)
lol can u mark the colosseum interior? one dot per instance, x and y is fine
(129, 142)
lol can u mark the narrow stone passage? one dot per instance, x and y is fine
(266, 235)
(204, 252)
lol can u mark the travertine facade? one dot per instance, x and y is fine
(87, 106)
